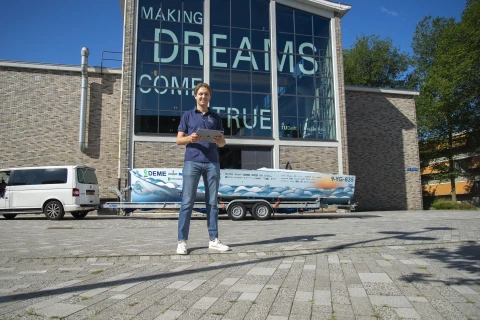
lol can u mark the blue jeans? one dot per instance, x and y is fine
(192, 171)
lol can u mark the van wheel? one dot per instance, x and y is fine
(9, 216)
(237, 211)
(261, 211)
(54, 210)
(79, 215)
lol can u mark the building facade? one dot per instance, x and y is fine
(268, 109)
(276, 71)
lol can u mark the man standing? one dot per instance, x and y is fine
(201, 160)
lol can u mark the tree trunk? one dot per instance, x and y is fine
(451, 167)
(454, 190)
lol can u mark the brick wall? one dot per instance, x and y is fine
(320, 159)
(158, 154)
(382, 140)
(40, 116)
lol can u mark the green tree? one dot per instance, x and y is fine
(425, 46)
(374, 62)
(448, 112)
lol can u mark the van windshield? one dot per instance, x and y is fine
(86, 175)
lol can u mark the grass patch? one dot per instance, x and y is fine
(31, 313)
(442, 204)
(233, 301)
(133, 304)
(86, 298)
(422, 267)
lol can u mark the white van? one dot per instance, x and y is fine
(49, 190)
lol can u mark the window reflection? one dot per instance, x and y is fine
(240, 67)
(303, 22)
(284, 21)
(218, 6)
(321, 26)
(170, 62)
(305, 76)
(220, 79)
(240, 13)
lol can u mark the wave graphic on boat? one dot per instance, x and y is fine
(158, 190)
(147, 189)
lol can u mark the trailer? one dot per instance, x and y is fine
(262, 192)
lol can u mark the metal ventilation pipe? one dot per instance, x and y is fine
(83, 99)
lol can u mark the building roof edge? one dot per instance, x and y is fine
(56, 67)
(382, 90)
(336, 6)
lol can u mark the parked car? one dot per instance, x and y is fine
(51, 190)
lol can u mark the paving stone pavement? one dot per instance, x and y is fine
(364, 265)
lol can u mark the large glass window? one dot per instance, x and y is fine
(304, 75)
(169, 63)
(240, 66)
(170, 56)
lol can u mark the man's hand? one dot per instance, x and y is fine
(220, 141)
(194, 138)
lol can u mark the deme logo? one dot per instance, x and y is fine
(154, 173)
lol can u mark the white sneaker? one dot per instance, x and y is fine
(217, 245)
(182, 247)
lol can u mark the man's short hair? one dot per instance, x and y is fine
(202, 85)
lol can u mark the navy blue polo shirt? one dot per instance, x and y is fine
(190, 123)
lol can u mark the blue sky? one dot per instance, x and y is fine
(54, 31)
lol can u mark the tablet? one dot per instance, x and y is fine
(207, 135)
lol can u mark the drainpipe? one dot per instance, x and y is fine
(120, 119)
(83, 99)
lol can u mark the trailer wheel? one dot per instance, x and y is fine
(237, 211)
(261, 211)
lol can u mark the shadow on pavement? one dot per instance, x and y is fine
(197, 216)
(465, 257)
(277, 240)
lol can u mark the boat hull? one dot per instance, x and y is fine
(165, 185)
